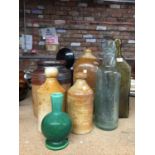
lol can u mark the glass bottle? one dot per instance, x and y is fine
(88, 64)
(56, 125)
(125, 71)
(80, 105)
(107, 90)
(51, 85)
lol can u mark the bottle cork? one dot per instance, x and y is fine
(51, 72)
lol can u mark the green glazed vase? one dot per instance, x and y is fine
(56, 125)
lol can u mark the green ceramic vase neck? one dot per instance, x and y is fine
(118, 47)
(57, 101)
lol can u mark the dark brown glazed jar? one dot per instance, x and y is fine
(38, 78)
(23, 86)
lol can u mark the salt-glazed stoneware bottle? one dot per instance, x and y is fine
(80, 105)
(56, 125)
(51, 85)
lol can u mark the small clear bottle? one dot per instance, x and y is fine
(107, 90)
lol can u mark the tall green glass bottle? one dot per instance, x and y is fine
(107, 90)
(125, 71)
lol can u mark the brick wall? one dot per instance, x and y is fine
(80, 25)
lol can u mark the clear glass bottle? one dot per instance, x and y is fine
(88, 64)
(107, 90)
(125, 71)
(80, 105)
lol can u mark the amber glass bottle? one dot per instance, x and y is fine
(125, 71)
(80, 105)
(88, 64)
(50, 86)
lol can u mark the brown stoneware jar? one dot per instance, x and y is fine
(88, 64)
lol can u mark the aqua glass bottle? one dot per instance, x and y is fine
(125, 71)
(107, 89)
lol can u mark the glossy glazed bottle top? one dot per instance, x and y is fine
(87, 57)
(88, 54)
(51, 84)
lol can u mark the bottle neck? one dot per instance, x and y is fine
(57, 101)
(51, 79)
(88, 54)
(109, 61)
(118, 52)
(80, 82)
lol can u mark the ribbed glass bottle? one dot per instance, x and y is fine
(125, 71)
(107, 90)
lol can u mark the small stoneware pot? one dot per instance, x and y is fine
(56, 125)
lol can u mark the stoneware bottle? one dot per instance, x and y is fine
(107, 90)
(80, 105)
(51, 85)
(56, 125)
(38, 78)
(125, 71)
(88, 64)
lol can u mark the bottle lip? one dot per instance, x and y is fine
(57, 95)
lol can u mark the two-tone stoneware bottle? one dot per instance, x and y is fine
(50, 85)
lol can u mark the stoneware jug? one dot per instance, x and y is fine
(56, 125)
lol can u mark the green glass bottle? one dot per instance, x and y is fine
(107, 90)
(56, 125)
(125, 71)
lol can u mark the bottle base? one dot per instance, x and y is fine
(56, 145)
(106, 128)
(82, 132)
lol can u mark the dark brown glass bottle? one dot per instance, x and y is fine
(125, 71)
